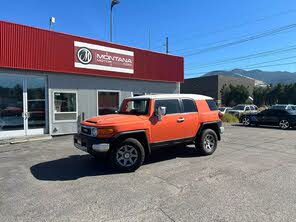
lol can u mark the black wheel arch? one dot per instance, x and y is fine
(210, 125)
(139, 135)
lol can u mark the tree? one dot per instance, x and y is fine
(280, 93)
(233, 95)
(260, 95)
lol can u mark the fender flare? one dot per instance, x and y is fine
(216, 124)
(135, 132)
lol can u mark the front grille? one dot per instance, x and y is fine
(85, 130)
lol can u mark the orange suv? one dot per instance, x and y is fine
(144, 123)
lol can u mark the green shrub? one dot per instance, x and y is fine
(228, 118)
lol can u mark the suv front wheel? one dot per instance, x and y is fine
(208, 142)
(128, 155)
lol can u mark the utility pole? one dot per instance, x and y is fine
(111, 24)
(167, 45)
(149, 39)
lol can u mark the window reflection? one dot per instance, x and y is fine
(11, 103)
(108, 102)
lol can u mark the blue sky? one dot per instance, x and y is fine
(190, 25)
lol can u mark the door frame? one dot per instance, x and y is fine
(26, 131)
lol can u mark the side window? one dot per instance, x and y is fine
(212, 105)
(281, 112)
(189, 106)
(65, 106)
(108, 102)
(247, 108)
(252, 107)
(172, 105)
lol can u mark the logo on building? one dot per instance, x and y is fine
(99, 57)
(84, 55)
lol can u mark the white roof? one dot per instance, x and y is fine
(172, 96)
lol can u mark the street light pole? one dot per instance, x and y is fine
(113, 3)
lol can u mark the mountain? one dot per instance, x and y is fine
(265, 76)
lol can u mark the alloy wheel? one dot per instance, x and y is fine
(209, 142)
(127, 156)
(246, 121)
(284, 124)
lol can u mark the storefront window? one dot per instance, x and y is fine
(65, 106)
(108, 102)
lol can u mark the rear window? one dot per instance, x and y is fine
(172, 105)
(189, 106)
(212, 105)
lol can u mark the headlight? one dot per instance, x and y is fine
(106, 131)
(94, 131)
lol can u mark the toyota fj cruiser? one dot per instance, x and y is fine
(147, 122)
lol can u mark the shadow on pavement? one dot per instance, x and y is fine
(261, 126)
(78, 166)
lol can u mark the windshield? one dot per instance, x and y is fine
(239, 108)
(134, 106)
(283, 107)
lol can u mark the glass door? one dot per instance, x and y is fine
(22, 106)
(11, 106)
(35, 116)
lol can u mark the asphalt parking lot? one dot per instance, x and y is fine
(251, 177)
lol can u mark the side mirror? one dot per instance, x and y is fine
(161, 111)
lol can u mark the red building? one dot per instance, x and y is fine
(51, 80)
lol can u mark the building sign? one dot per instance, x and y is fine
(90, 56)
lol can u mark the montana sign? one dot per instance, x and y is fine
(90, 56)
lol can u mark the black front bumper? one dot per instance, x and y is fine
(90, 144)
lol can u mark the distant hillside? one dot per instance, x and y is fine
(268, 77)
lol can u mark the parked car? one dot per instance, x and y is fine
(147, 122)
(276, 117)
(224, 110)
(241, 109)
(284, 107)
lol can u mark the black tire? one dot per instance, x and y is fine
(203, 145)
(284, 124)
(128, 155)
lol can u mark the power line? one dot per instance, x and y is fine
(276, 60)
(242, 58)
(227, 40)
(249, 67)
(281, 64)
(240, 41)
(231, 27)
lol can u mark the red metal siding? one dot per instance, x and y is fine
(24, 47)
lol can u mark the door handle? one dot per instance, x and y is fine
(26, 115)
(180, 120)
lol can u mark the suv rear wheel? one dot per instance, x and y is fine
(208, 142)
(128, 155)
